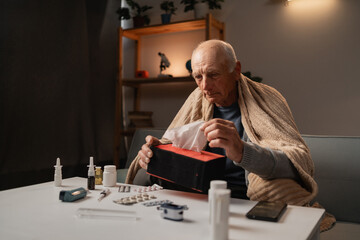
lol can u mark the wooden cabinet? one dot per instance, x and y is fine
(209, 24)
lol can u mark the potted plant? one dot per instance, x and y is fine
(214, 4)
(201, 7)
(169, 8)
(189, 4)
(140, 18)
(124, 13)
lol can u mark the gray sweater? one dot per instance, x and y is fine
(265, 162)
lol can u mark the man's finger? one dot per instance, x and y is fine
(142, 164)
(152, 141)
(149, 140)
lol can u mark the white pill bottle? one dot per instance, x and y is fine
(109, 176)
(219, 223)
(214, 184)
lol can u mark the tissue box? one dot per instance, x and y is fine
(185, 167)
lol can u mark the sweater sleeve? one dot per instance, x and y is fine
(267, 163)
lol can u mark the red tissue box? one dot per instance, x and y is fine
(185, 167)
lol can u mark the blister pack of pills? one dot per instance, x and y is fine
(154, 187)
(124, 188)
(134, 199)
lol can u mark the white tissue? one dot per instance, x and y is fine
(188, 136)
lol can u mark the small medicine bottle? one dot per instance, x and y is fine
(98, 176)
(91, 175)
(109, 176)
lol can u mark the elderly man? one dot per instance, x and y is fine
(248, 122)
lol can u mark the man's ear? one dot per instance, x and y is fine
(237, 70)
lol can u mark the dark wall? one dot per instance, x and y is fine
(57, 96)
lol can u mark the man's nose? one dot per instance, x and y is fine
(206, 82)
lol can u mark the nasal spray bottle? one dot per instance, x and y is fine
(57, 175)
(91, 175)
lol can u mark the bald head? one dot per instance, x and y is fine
(220, 50)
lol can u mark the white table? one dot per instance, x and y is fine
(35, 212)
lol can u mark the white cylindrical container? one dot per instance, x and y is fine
(220, 215)
(214, 184)
(109, 176)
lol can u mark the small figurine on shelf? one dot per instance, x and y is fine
(163, 65)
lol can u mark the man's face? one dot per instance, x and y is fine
(212, 76)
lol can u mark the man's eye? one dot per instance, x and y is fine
(198, 77)
(213, 75)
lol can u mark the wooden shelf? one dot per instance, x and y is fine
(191, 25)
(208, 24)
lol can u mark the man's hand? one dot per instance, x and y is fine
(223, 134)
(145, 152)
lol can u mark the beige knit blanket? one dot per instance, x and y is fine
(268, 122)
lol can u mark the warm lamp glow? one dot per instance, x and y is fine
(311, 9)
(178, 69)
(178, 48)
(301, 5)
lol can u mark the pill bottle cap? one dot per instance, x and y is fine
(218, 184)
(110, 168)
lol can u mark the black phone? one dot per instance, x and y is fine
(267, 211)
